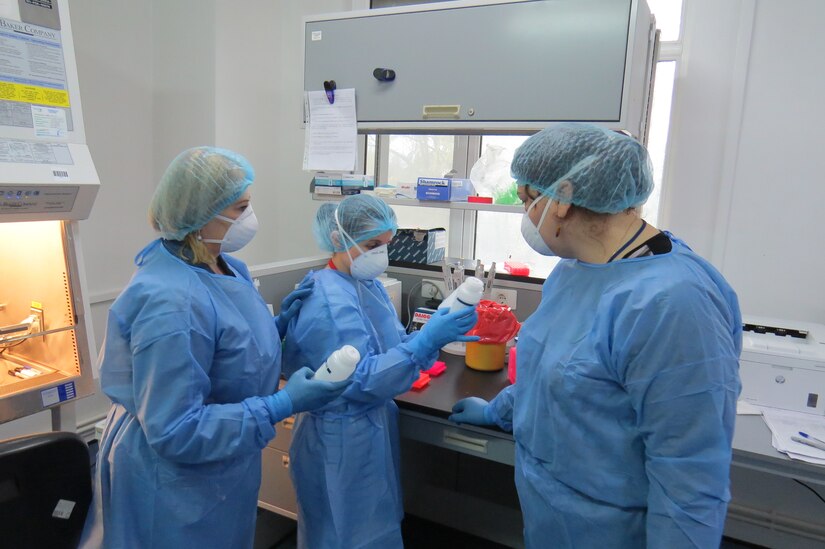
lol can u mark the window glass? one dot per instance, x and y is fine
(369, 157)
(498, 238)
(498, 234)
(414, 156)
(657, 134)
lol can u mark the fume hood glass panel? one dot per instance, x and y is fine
(38, 344)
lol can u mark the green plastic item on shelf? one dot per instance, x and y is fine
(508, 196)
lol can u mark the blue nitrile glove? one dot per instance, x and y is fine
(291, 304)
(472, 410)
(445, 327)
(302, 393)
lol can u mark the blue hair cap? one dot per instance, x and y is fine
(585, 165)
(198, 184)
(361, 216)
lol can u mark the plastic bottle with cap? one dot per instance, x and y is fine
(340, 364)
(466, 295)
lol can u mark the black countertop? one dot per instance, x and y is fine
(457, 382)
(752, 447)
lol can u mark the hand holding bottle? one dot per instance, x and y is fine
(445, 327)
(302, 393)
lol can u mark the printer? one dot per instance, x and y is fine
(783, 364)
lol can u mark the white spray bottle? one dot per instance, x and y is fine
(340, 364)
(466, 295)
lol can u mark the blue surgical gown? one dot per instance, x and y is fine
(624, 405)
(187, 356)
(344, 458)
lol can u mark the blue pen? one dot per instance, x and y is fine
(809, 441)
(806, 435)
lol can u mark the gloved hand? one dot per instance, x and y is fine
(472, 410)
(291, 304)
(307, 393)
(445, 327)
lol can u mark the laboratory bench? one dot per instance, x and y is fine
(458, 476)
(424, 412)
(461, 476)
(751, 442)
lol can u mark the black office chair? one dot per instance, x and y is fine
(45, 490)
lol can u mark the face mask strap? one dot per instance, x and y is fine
(544, 213)
(343, 232)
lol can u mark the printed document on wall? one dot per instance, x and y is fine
(331, 134)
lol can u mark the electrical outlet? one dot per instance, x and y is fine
(431, 288)
(505, 296)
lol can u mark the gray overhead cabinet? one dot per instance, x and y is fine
(474, 67)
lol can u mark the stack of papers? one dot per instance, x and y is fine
(331, 131)
(784, 425)
(747, 409)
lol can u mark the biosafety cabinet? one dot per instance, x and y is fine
(47, 183)
(489, 66)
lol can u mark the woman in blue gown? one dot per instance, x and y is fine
(345, 457)
(191, 362)
(627, 373)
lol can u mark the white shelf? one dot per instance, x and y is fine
(434, 204)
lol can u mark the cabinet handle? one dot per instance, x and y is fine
(384, 75)
(285, 461)
(454, 438)
(440, 111)
(289, 422)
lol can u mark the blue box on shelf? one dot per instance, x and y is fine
(433, 188)
(444, 189)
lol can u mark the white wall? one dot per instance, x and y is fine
(259, 98)
(147, 76)
(183, 91)
(746, 166)
(774, 252)
(698, 123)
(115, 67)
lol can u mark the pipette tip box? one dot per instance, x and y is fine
(422, 381)
(436, 369)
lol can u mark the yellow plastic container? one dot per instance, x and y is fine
(487, 357)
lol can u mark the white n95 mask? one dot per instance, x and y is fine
(369, 264)
(241, 231)
(531, 232)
